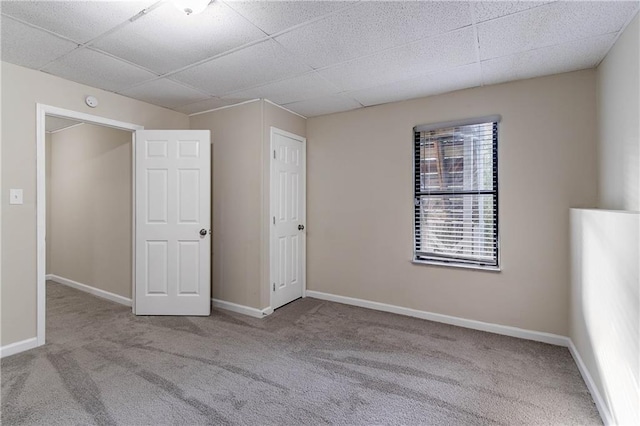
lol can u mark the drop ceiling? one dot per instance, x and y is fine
(312, 57)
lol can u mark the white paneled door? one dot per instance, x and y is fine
(288, 195)
(173, 220)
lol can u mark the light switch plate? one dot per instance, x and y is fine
(15, 196)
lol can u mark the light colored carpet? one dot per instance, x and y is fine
(311, 362)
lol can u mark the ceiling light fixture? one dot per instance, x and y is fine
(191, 7)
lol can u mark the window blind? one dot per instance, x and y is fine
(456, 193)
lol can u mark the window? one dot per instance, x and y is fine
(456, 193)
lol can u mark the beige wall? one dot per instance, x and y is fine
(22, 88)
(360, 201)
(241, 139)
(605, 304)
(235, 135)
(619, 128)
(89, 230)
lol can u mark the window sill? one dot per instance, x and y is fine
(457, 265)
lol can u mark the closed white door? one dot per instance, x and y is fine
(288, 200)
(173, 220)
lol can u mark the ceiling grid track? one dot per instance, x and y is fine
(474, 24)
(313, 57)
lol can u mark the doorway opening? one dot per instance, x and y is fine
(89, 208)
(75, 124)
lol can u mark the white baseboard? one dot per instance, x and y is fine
(601, 405)
(18, 347)
(553, 339)
(241, 309)
(91, 290)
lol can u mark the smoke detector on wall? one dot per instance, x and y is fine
(91, 101)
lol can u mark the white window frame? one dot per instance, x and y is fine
(453, 262)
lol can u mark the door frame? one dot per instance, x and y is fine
(272, 183)
(42, 111)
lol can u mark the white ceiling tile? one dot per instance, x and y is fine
(207, 105)
(486, 10)
(164, 92)
(365, 53)
(29, 47)
(255, 65)
(453, 79)
(182, 39)
(299, 88)
(435, 53)
(427, 85)
(566, 57)
(324, 105)
(372, 26)
(77, 20)
(551, 24)
(52, 124)
(98, 70)
(275, 16)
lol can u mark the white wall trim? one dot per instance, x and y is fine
(64, 128)
(538, 336)
(91, 290)
(286, 109)
(241, 309)
(601, 405)
(88, 118)
(17, 347)
(223, 107)
(246, 102)
(42, 111)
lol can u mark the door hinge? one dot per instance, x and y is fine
(274, 220)
(274, 154)
(274, 286)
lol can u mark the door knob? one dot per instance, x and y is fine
(203, 232)
(300, 227)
